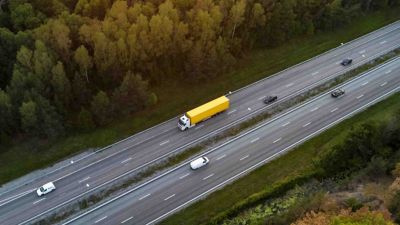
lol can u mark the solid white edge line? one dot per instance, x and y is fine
(229, 141)
(272, 156)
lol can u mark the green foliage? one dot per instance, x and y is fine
(353, 203)
(132, 95)
(85, 120)
(28, 113)
(101, 108)
(364, 218)
(271, 191)
(394, 206)
(361, 145)
(24, 17)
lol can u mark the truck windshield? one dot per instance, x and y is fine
(181, 123)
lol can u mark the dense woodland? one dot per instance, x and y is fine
(78, 64)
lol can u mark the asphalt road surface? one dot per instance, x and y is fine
(20, 205)
(182, 186)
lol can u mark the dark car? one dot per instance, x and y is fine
(336, 93)
(346, 62)
(270, 99)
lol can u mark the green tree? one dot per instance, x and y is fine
(85, 120)
(24, 17)
(83, 59)
(61, 87)
(101, 108)
(80, 91)
(56, 34)
(6, 115)
(28, 113)
(132, 95)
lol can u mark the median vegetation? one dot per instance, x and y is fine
(364, 147)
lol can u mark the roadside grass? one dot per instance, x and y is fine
(297, 162)
(175, 98)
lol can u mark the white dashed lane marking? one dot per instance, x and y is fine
(143, 197)
(205, 178)
(198, 127)
(36, 202)
(184, 176)
(127, 219)
(244, 157)
(261, 98)
(102, 218)
(220, 157)
(284, 125)
(84, 179)
(171, 196)
(126, 160)
(277, 140)
(288, 85)
(383, 84)
(254, 140)
(163, 143)
(333, 110)
(230, 112)
(315, 73)
(306, 124)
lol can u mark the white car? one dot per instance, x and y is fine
(45, 189)
(200, 162)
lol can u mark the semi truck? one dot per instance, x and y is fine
(203, 112)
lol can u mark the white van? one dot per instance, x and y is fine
(45, 189)
(202, 161)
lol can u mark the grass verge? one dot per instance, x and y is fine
(28, 155)
(296, 163)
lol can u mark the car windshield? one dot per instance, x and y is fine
(42, 189)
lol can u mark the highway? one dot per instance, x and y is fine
(20, 205)
(182, 186)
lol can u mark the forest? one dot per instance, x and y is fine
(68, 65)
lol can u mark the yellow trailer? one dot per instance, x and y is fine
(203, 112)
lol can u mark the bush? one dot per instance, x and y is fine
(258, 198)
(394, 207)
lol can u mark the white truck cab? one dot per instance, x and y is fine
(184, 123)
